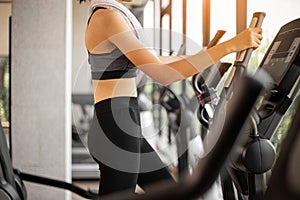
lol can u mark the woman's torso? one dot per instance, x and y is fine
(113, 75)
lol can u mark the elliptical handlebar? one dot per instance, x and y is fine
(243, 58)
(256, 22)
(216, 38)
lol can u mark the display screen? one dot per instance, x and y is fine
(281, 54)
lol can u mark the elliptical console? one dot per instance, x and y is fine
(282, 62)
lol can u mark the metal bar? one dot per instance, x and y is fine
(156, 23)
(58, 184)
(206, 21)
(184, 28)
(241, 15)
(166, 10)
(170, 26)
(9, 88)
(160, 27)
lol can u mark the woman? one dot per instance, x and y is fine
(116, 50)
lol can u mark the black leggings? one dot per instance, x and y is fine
(115, 142)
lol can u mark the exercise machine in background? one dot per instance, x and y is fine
(11, 180)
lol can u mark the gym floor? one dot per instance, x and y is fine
(93, 184)
(85, 185)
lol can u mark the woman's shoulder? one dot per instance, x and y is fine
(111, 19)
(106, 14)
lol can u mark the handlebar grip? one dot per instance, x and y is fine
(256, 22)
(244, 56)
(216, 38)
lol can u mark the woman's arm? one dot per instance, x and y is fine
(172, 68)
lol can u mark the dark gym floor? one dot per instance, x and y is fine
(86, 185)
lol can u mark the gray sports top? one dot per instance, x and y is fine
(110, 65)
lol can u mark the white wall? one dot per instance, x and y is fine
(41, 92)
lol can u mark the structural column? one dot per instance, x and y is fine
(41, 92)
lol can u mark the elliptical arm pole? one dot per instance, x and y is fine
(57, 184)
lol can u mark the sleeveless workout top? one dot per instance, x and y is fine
(112, 65)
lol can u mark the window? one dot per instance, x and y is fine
(278, 13)
(223, 17)
(5, 12)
